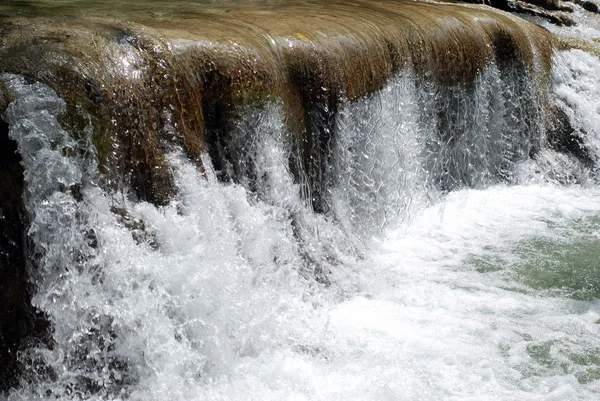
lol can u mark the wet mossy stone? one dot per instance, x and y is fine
(111, 91)
(140, 87)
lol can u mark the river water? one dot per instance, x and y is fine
(486, 292)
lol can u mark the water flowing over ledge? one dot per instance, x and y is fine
(182, 81)
(195, 192)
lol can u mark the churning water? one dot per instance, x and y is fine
(450, 266)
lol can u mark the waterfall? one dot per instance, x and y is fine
(169, 297)
(425, 238)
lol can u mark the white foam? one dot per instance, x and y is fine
(425, 325)
(214, 296)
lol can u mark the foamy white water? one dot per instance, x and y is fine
(424, 324)
(400, 293)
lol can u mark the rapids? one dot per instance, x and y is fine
(453, 253)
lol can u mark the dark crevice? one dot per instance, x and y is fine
(563, 138)
(21, 325)
(320, 104)
(217, 137)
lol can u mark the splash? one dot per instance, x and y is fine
(337, 238)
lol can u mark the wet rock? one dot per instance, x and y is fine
(110, 89)
(21, 325)
(555, 14)
(141, 89)
(139, 233)
(554, 11)
(588, 5)
(564, 138)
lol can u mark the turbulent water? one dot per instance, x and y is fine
(459, 259)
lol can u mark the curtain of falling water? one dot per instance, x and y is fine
(150, 302)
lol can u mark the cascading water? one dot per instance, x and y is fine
(456, 258)
(400, 149)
